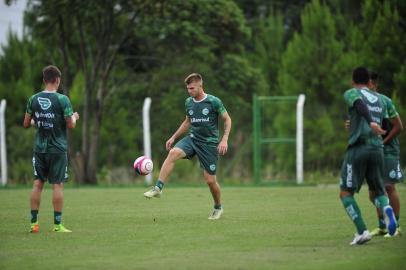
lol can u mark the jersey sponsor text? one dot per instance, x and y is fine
(199, 120)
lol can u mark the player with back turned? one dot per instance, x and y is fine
(52, 114)
(364, 156)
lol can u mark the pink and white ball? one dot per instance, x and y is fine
(143, 165)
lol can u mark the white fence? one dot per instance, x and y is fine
(3, 146)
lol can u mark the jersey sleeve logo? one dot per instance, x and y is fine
(190, 112)
(205, 111)
(45, 103)
(371, 98)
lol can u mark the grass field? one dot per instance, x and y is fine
(262, 228)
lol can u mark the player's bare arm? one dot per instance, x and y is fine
(376, 128)
(71, 121)
(28, 121)
(396, 129)
(347, 125)
(223, 145)
(184, 127)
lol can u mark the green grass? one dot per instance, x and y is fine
(262, 228)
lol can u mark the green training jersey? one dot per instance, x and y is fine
(203, 116)
(49, 109)
(391, 149)
(359, 128)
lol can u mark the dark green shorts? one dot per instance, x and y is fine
(393, 171)
(207, 154)
(50, 166)
(363, 162)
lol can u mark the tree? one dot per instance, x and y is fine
(311, 65)
(267, 48)
(18, 62)
(399, 99)
(88, 36)
(383, 45)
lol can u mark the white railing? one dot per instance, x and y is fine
(3, 146)
(147, 135)
(299, 138)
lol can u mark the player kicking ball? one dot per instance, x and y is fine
(202, 113)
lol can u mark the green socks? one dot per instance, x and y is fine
(353, 211)
(381, 202)
(160, 184)
(34, 216)
(381, 222)
(57, 217)
(217, 206)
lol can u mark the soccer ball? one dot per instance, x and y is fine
(143, 165)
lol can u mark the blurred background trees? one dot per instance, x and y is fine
(113, 54)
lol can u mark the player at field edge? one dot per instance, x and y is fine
(393, 173)
(364, 155)
(202, 113)
(51, 113)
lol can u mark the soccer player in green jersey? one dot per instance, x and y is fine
(51, 113)
(393, 173)
(364, 155)
(202, 113)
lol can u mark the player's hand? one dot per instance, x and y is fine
(222, 147)
(169, 143)
(347, 124)
(76, 115)
(377, 129)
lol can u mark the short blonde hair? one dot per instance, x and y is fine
(194, 77)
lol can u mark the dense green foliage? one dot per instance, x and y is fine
(116, 53)
(121, 230)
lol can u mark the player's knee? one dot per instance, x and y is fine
(210, 179)
(211, 182)
(390, 188)
(57, 186)
(175, 153)
(344, 193)
(38, 185)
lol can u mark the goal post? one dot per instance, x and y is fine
(274, 129)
